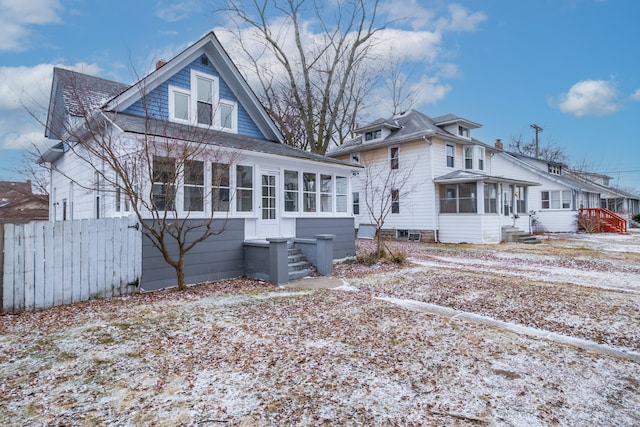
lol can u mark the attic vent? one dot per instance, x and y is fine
(204, 60)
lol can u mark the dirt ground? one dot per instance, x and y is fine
(506, 334)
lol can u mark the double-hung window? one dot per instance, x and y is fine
(204, 100)
(481, 152)
(521, 199)
(309, 191)
(163, 183)
(395, 201)
(244, 188)
(326, 193)
(468, 157)
(356, 203)
(193, 197)
(394, 156)
(341, 194)
(220, 187)
(450, 155)
(291, 191)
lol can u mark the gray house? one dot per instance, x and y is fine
(265, 192)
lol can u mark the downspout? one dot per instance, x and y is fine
(435, 222)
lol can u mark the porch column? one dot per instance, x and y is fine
(278, 260)
(325, 253)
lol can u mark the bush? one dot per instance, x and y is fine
(589, 224)
(636, 217)
(399, 257)
(368, 259)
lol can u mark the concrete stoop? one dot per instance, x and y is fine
(513, 234)
(299, 266)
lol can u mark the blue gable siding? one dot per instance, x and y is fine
(157, 101)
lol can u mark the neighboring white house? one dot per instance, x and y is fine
(619, 201)
(456, 195)
(264, 188)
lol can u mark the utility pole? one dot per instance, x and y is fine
(537, 129)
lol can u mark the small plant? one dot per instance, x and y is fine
(589, 224)
(636, 217)
(368, 259)
(399, 257)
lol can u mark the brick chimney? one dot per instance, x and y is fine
(499, 144)
(160, 63)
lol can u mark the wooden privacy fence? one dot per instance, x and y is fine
(53, 263)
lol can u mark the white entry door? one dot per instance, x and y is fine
(269, 224)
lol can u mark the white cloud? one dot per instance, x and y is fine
(17, 16)
(635, 96)
(461, 19)
(24, 98)
(418, 17)
(590, 98)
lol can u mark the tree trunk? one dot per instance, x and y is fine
(180, 273)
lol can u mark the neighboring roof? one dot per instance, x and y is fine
(572, 183)
(462, 176)
(448, 119)
(408, 127)
(524, 157)
(141, 125)
(389, 124)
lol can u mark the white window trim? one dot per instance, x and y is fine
(481, 158)
(551, 208)
(234, 116)
(472, 158)
(172, 114)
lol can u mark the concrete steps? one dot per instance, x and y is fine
(299, 266)
(513, 234)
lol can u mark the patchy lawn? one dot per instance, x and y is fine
(462, 335)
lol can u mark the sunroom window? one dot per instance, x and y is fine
(193, 186)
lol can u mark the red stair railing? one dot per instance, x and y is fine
(609, 221)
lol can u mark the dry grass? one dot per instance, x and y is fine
(243, 352)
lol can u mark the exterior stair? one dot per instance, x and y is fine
(299, 266)
(513, 234)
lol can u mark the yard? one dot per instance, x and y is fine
(506, 334)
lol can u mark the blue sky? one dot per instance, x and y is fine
(570, 66)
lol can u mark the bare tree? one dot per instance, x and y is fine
(141, 171)
(547, 151)
(33, 170)
(403, 96)
(384, 189)
(312, 88)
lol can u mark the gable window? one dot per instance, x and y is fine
(179, 104)
(204, 101)
(355, 158)
(244, 188)
(228, 116)
(556, 199)
(374, 134)
(468, 157)
(463, 131)
(163, 183)
(291, 191)
(326, 193)
(394, 153)
(309, 192)
(193, 186)
(395, 201)
(450, 155)
(458, 198)
(220, 188)
(341, 193)
(491, 198)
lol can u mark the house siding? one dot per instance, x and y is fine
(219, 257)
(156, 103)
(344, 244)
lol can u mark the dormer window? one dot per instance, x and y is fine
(463, 131)
(554, 169)
(374, 134)
(201, 105)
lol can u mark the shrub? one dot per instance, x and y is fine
(636, 217)
(590, 224)
(399, 257)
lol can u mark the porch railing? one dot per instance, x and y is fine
(603, 220)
